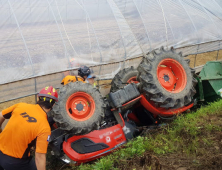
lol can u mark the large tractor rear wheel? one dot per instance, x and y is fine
(166, 78)
(80, 108)
(123, 77)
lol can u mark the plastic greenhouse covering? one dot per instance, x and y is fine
(40, 40)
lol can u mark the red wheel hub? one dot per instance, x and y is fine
(80, 106)
(171, 75)
(132, 80)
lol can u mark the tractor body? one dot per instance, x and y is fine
(111, 136)
(163, 85)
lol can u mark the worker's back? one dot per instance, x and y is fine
(27, 124)
(70, 78)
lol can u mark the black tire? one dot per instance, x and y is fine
(150, 85)
(121, 78)
(62, 118)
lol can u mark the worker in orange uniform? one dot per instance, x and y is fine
(84, 75)
(27, 127)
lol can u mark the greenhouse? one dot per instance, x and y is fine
(42, 40)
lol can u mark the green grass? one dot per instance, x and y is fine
(182, 135)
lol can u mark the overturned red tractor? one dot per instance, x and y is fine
(90, 126)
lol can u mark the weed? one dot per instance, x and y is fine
(134, 147)
(191, 147)
(184, 134)
(209, 127)
(105, 163)
(207, 142)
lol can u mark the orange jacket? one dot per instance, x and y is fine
(27, 126)
(69, 79)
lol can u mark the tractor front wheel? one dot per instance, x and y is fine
(80, 108)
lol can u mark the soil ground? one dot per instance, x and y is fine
(207, 157)
(201, 59)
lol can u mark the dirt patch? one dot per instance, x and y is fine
(201, 59)
(104, 86)
(206, 156)
(29, 99)
(144, 162)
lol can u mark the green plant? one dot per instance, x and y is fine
(104, 164)
(184, 135)
(207, 142)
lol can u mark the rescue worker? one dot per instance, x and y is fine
(84, 75)
(27, 127)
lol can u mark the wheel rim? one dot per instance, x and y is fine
(132, 80)
(80, 106)
(171, 75)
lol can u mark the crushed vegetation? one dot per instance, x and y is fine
(191, 141)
